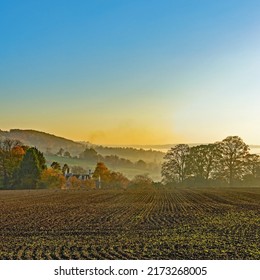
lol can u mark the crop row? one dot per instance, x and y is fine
(133, 224)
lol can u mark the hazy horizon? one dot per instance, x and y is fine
(163, 147)
(131, 72)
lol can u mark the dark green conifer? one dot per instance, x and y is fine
(30, 168)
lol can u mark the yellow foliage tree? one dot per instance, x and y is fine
(51, 179)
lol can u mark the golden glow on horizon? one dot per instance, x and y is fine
(128, 126)
(127, 134)
(131, 136)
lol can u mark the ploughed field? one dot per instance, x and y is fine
(132, 224)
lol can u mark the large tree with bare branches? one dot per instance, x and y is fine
(233, 153)
(175, 167)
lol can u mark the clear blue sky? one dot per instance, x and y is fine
(131, 72)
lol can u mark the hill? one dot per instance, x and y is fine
(51, 144)
(45, 142)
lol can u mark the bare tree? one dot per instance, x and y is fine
(175, 168)
(202, 159)
(232, 153)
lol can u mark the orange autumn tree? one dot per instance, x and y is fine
(102, 174)
(118, 180)
(74, 183)
(109, 179)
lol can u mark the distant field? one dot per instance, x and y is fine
(140, 224)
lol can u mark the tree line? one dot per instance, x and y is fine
(20, 165)
(114, 161)
(226, 162)
(24, 167)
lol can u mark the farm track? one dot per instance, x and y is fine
(132, 224)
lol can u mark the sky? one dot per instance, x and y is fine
(131, 72)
